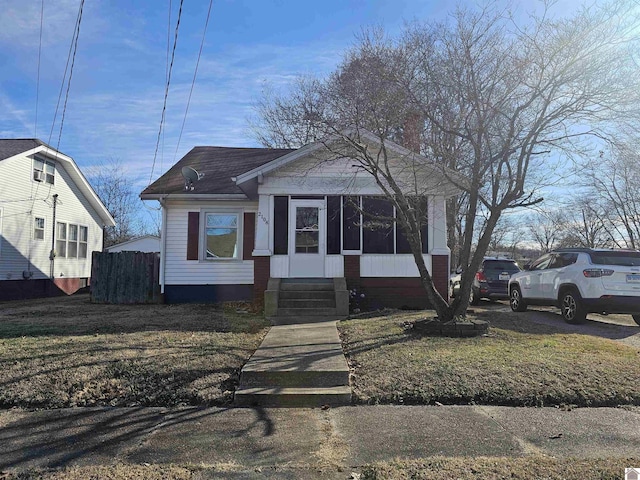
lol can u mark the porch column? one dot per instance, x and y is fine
(262, 252)
(440, 252)
(262, 228)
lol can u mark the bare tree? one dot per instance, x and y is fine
(613, 181)
(547, 229)
(493, 100)
(587, 225)
(116, 190)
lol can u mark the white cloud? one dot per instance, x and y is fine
(20, 22)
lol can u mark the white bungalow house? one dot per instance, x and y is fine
(51, 221)
(249, 219)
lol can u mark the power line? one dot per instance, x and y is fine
(73, 61)
(193, 82)
(166, 90)
(35, 123)
(166, 75)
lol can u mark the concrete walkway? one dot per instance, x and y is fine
(296, 365)
(313, 440)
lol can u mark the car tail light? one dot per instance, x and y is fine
(597, 272)
(480, 276)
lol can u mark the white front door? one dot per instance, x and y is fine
(307, 220)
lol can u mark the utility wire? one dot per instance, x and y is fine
(73, 61)
(35, 123)
(193, 82)
(166, 91)
(166, 75)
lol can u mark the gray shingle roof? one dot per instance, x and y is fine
(218, 164)
(13, 146)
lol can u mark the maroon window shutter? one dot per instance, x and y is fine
(193, 232)
(248, 236)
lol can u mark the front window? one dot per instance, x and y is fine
(43, 170)
(221, 233)
(38, 228)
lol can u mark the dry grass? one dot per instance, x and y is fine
(433, 468)
(518, 363)
(66, 352)
(525, 468)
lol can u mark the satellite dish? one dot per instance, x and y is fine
(191, 176)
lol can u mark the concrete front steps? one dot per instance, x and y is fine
(300, 365)
(306, 300)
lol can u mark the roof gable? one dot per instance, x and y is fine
(12, 148)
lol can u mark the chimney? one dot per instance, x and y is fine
(411, 131)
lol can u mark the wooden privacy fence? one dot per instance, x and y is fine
(125, 277)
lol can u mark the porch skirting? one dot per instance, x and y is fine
(207, 293)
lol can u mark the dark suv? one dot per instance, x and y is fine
(492, 280)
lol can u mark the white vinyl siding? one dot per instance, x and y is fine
(179, 271)
(26, 200)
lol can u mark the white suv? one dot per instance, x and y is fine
(580, 281)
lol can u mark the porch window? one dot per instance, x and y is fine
(377, 225)
(221, 236)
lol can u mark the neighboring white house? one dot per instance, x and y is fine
(146, 243)
(258, 214)
(51, 220)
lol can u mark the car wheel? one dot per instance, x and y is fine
(474, 298)
(516, 301)
(571, 307)
(636, 318)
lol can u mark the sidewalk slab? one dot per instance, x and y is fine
(386, 432)
(245, 436)
(72, 436)
(580, 432)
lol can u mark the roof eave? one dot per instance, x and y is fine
(193, 196)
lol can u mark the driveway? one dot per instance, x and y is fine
(620, 328)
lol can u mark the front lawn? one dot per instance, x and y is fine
(66, 352)
(517, 363)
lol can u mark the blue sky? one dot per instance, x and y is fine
(118, 83)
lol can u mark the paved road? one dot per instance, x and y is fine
(620, 328)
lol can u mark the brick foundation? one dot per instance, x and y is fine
(352, 270)
(440, 274)
(261, 274)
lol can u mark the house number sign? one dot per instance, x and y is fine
(263, 218)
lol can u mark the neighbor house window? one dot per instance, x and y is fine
(71, 240)
(43, 170)
(38, 228)
(82, 245)
(221, 235)
(61, 239)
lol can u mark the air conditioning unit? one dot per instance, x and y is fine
(38, 175)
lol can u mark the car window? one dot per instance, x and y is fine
(622, 258)
(501, 265)
(542, 262)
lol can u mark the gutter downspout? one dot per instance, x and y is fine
(163, 244)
